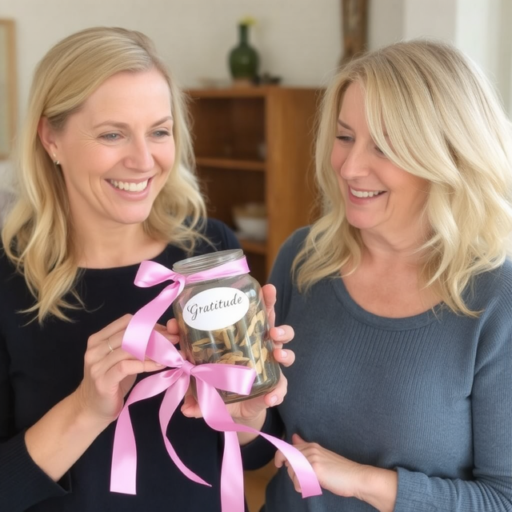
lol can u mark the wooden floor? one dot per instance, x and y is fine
(255, 483)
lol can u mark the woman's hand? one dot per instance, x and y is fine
(252, 412)
(65, 432)
(334, 472)
(109, 371)
(339, 475)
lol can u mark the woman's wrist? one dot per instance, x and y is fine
(377, 487)
(62, 435)
(87, 417)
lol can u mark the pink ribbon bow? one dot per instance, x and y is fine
(142, 341)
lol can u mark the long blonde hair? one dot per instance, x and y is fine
(37, 235)
(444, 124)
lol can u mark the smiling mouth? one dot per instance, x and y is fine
(129, 187)
(366, 193)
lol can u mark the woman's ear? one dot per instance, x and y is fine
(47, 137)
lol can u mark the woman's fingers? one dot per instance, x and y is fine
(173, 331)
(190, 407)
(269, 298)
(284, 357)
(276, 396)
(296, 439)
(251, 409)
(129, 367)
(280, 461)
(109, 371)
(169, 331)
(281, 335)
(107, 333)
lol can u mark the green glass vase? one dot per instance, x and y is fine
(243, 58)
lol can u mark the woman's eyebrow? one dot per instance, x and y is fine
(117, 124)
(344, 125)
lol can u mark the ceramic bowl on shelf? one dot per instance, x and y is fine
(251, 221)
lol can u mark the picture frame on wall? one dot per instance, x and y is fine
(354, 21)
(8, 103)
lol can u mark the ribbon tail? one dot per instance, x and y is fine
(217, 417)
(232, 486)
(172, 399)
(124, 455)
(232, 475)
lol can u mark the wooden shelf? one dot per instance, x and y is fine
(228, 163)
(232, 92)
(253, 246)
(255, 145)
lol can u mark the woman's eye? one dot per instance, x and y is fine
(161, 133)
(110, 137)
(344, 138)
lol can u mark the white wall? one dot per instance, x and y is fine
(432, 18)
(480, 28)
(385, 22)
(299, 40)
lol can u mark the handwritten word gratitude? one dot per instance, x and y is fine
(215, 308)
(194, 309)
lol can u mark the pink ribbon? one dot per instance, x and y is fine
(142, 341)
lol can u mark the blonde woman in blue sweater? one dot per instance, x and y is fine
(401, 294)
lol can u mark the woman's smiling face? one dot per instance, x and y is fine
(117, 150)
(380, 198)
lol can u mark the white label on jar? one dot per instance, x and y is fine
(215, 308)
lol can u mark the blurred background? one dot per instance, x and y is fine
(259, 158)
(299, 40)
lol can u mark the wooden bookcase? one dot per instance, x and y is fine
(255, 144)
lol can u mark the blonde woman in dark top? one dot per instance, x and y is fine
(105, 179)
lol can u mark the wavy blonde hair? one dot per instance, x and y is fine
(446, 125)
(38, 235)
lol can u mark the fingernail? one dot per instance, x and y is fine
(284, 354)
(280, 331)
(273, 400)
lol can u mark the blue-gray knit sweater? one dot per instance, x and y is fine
(429, 395)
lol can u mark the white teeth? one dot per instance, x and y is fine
(130, 187)
(360, 193)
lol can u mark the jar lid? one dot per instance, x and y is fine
(206, 261)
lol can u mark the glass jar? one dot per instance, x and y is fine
(224, 320)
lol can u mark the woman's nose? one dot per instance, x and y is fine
(139, 155)
(356, 164)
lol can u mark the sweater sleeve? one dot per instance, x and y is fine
(22, 482)
(490, 489)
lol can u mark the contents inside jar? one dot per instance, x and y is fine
(246, 342)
